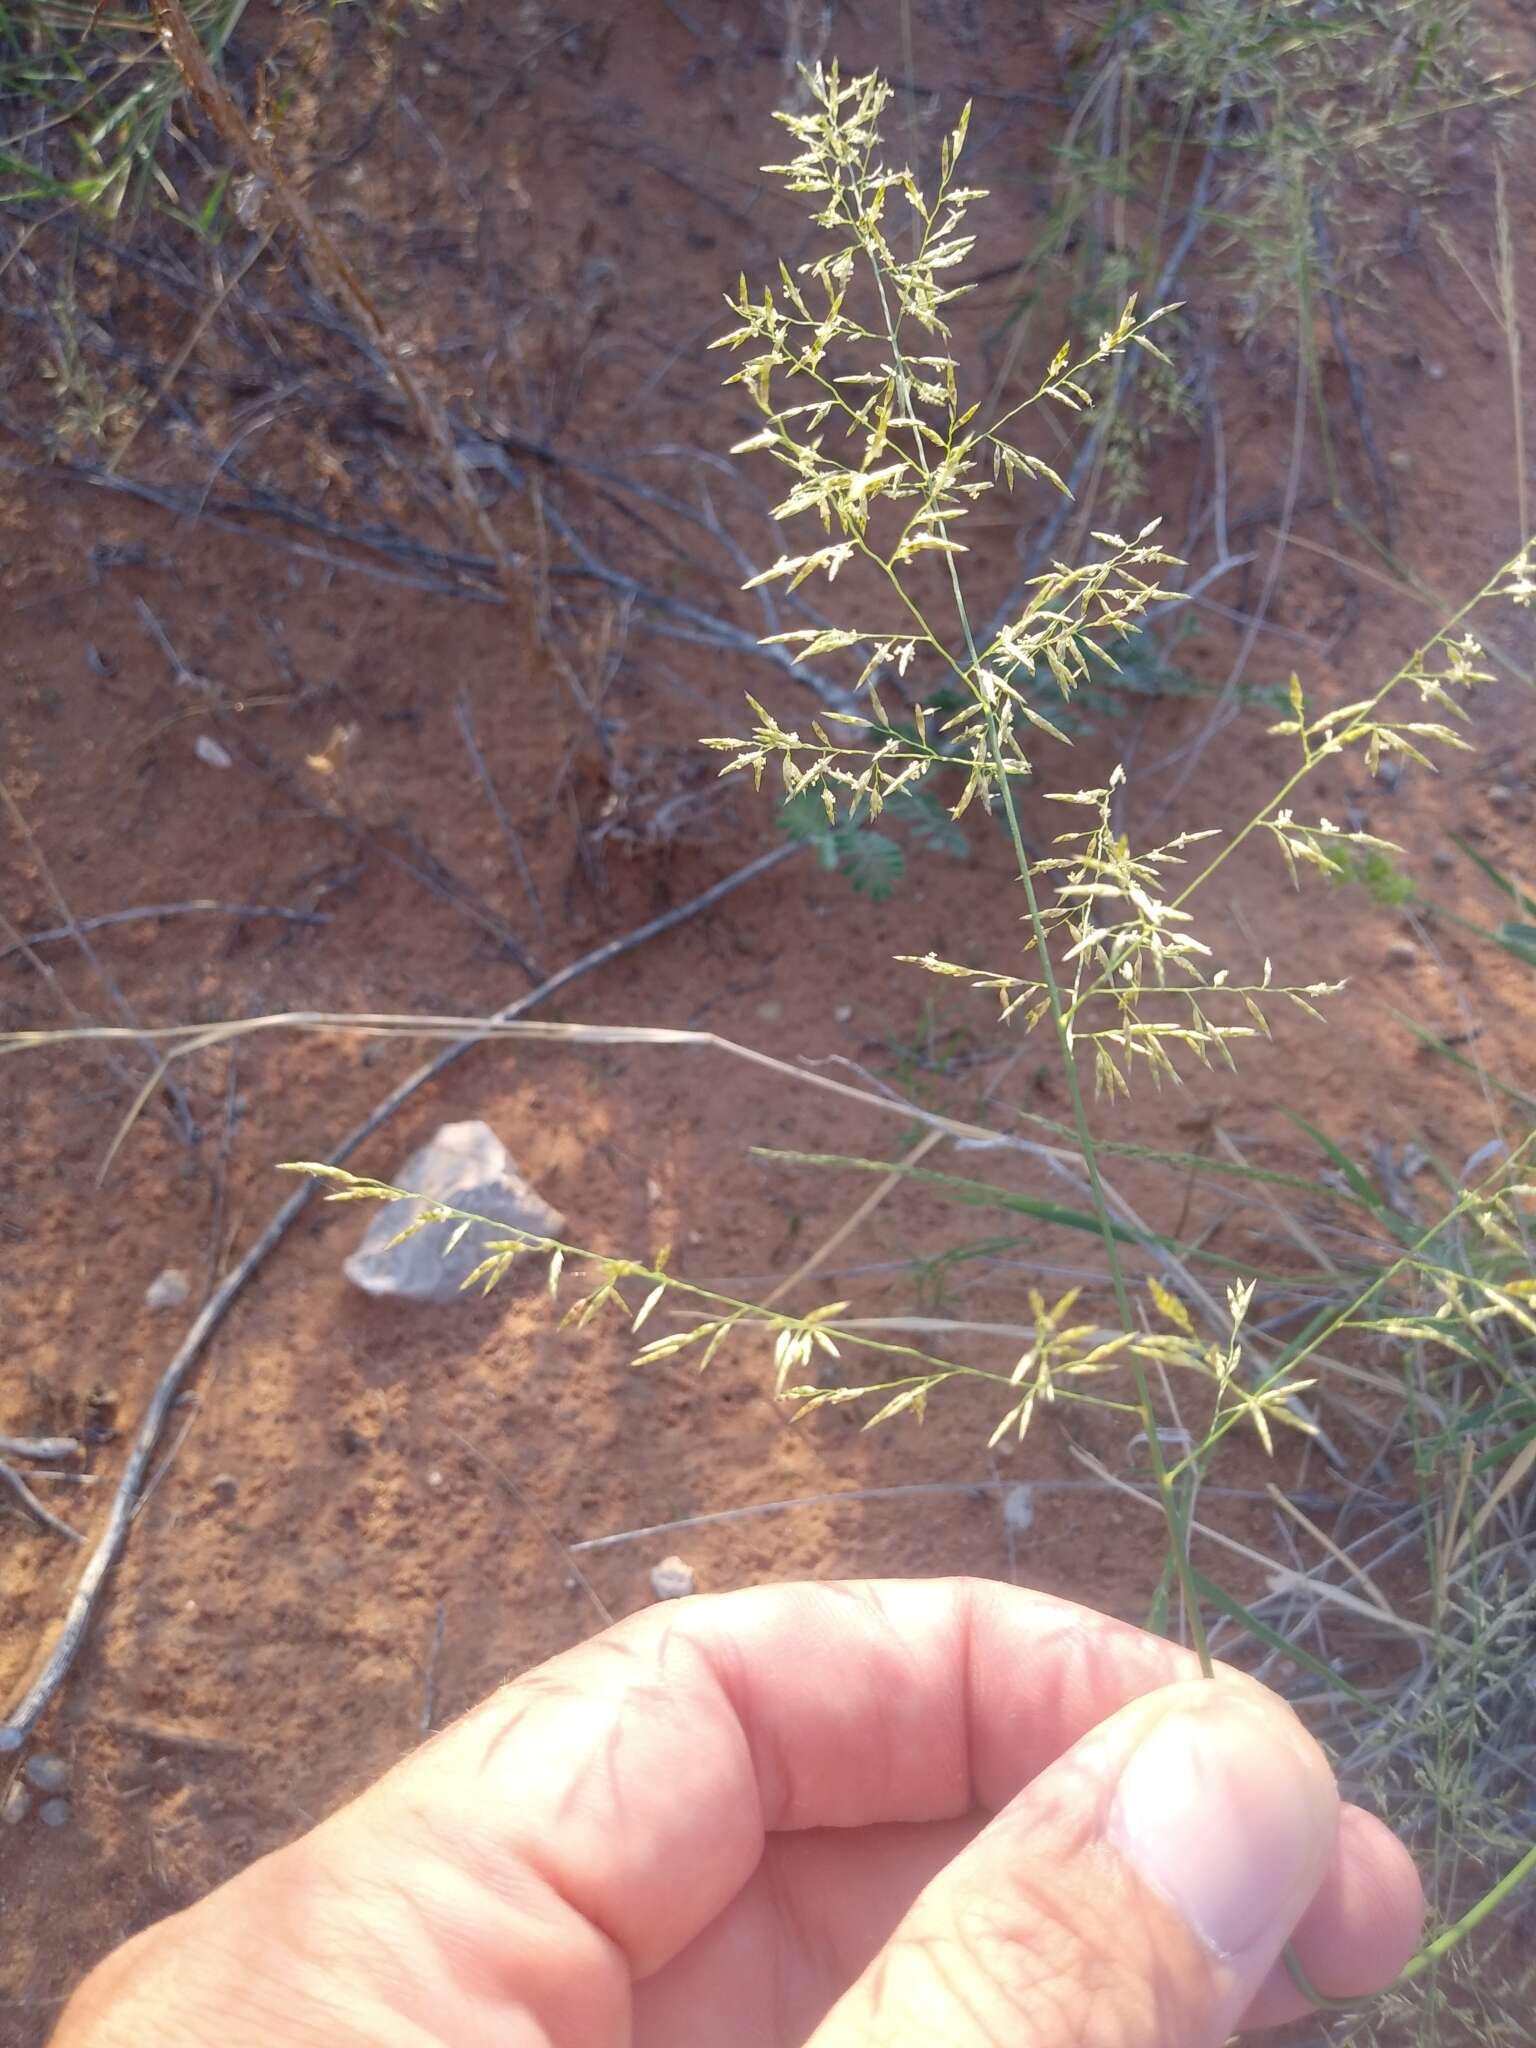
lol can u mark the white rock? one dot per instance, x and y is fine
(47, 1773)
(208, 750)
(18, 1804)
(1019, 1506)
(672, 1579)
(168, 1289)
(465, 1166)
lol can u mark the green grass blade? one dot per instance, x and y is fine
(1234, 1610)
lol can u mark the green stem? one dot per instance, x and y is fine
(1178, 1528)
(1431, 1953)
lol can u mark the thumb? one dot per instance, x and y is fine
(1135, 1895)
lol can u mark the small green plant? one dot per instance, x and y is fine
(1287, 139)
(848, 363)
(86, 95)
(87, 92)
(873, 862)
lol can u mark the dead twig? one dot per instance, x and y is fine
(159, 1736)
(34, 1701)
(208, 89)
(670, 616)
(10, 1477)
(202, 907)
(44, 1449)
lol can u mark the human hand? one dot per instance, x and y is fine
(942, 1811)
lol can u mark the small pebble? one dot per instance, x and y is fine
(208, 750)
(435, 1480)
(1443, 858)
(168, 1289)
(672, 1579)
(1499, 792)
(18, 1804)
(47, 1773)
(843, 1013)
(1399, 459)
(1019, 1506)
(224, 1487)
(54, 1813)
(1402, 953)
(770, 1012)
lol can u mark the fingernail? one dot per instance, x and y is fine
(1229, 1813)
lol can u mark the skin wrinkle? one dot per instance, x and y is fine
(797, 1931)
(647, 1699)
(514, 1959)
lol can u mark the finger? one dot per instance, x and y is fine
(1359, 1930)
(1136, 1895)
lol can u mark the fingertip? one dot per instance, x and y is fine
(1363, 1924)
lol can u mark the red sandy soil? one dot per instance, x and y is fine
(365, 1507)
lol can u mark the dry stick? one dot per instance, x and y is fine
(694, 624)
(191, 60)
(182, 505)
(29, 1708)
(977, 1488)
(203, 906)
(893, 1180)
(42, 1448)
(10, 1477)
(1404, 583)
(1327, 1543)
